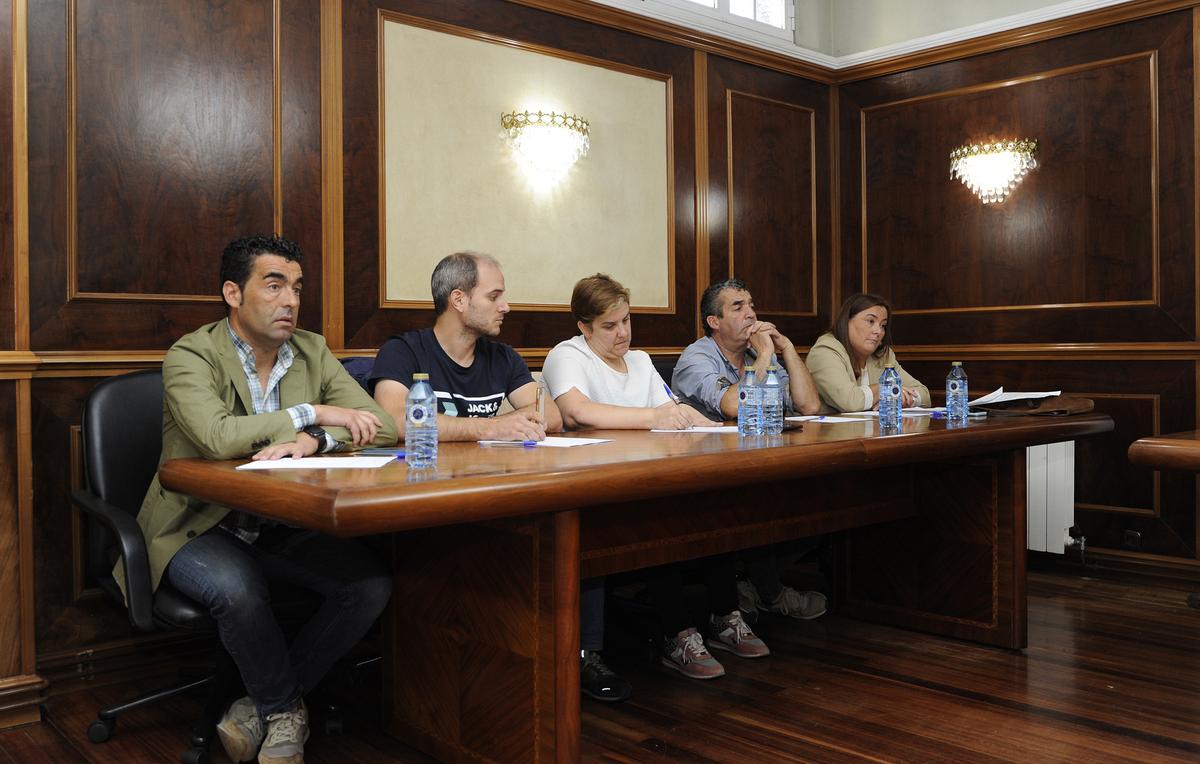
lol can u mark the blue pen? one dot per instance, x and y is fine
(508, 443)
(670, 394)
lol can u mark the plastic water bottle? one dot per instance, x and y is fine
(749, 405)
(956, 393)
(772, 402)
(890, 399)
(420, 429)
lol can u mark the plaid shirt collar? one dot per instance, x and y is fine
(264, 402)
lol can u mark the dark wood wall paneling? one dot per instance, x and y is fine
(69, 617)
(366, 324)
(174, 151)
(300, 145)
(11, 628)
(769, 170)
(1097, 245)
(1079, 229)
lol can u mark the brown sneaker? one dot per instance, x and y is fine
(686, 654)
(733, 634)
(287, 732)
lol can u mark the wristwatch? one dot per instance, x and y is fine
(323, 440)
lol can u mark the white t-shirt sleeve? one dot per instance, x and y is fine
(639, 363)
(566, 366)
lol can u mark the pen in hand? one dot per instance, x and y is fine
(671, 396)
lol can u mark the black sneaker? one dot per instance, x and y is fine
(597, 680)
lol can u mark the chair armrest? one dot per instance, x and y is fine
(139, 598)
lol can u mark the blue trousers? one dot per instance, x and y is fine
(231, 578)
(591, 613)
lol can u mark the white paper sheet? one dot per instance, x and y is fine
(713, 428)
(549, 442)
(827, 419)
(321, 463)
(999, 396)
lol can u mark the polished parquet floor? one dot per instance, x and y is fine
(1112, 674)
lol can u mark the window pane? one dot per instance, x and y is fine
(770, 12)
(743, 8)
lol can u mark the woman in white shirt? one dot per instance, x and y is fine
(598, 382)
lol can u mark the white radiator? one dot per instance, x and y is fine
(1050, 495)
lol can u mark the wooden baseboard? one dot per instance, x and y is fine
(1182, 569)
(20, 700)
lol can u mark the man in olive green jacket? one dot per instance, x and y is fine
(253, 385)
(206, 407)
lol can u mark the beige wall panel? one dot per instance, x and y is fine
(451, 183)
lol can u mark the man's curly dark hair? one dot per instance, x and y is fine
(237, 261)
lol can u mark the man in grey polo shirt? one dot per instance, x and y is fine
(709, 370)
(707, 377)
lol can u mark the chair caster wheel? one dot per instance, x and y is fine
(100, 730)
(195, 756)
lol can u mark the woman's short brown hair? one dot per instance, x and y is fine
(855, 304)
(596, 295)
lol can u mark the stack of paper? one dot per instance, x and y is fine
(999, 396)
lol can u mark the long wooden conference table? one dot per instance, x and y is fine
(481, 643)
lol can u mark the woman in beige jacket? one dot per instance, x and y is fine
(846, 361)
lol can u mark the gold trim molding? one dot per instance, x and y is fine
(332, 226)
(68, 363)
(700, 128)
(20, 177)
(1069, 351)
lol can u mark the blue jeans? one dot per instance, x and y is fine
(231, 577)
(591, 614)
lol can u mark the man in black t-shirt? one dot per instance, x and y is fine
(470, 373)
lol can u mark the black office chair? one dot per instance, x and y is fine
(122, 440)
(665, 366)
(360, 367)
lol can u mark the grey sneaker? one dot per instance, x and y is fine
(803, 605)
(287, 732)
(241, 730)
(733, 634)
(687, 654)
(748, 600)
